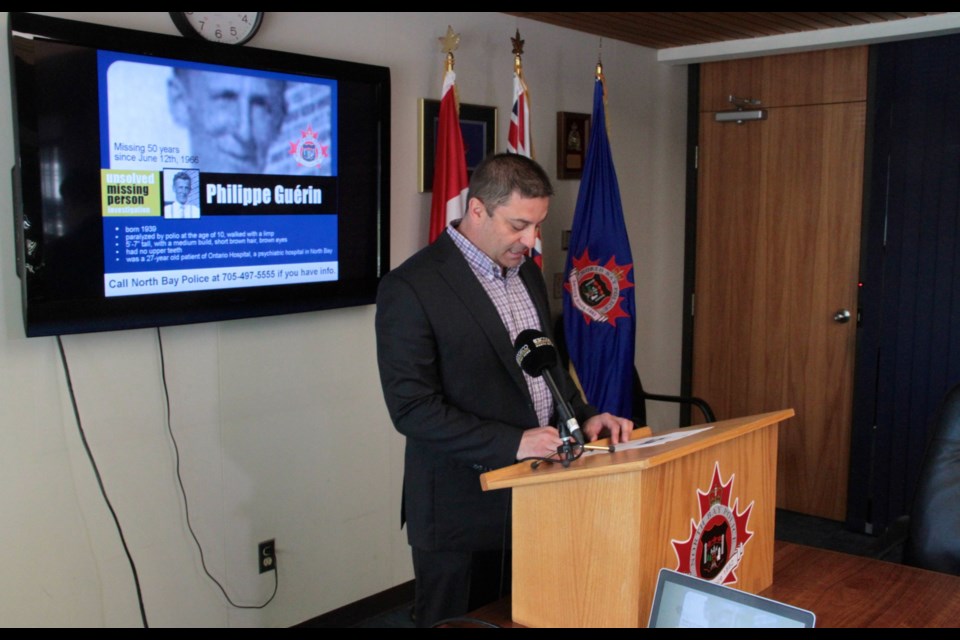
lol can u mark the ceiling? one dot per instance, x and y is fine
(667, 29)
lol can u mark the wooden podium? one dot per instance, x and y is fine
(590, 539)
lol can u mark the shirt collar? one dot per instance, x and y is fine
(479, 262)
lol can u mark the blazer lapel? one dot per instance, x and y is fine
(462, 281)
(533, 279)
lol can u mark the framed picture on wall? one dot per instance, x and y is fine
(478, 124)
(573, 130)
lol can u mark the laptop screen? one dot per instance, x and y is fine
(685, 601)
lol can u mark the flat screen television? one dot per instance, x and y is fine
(161, 180)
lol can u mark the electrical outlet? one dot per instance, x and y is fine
(267, 556)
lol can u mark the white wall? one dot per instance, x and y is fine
(279, 422)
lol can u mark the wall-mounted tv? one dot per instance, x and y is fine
(161, 180)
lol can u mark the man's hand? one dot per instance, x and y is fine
(541, 442)
(608, 424)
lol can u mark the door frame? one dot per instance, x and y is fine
(690, 237)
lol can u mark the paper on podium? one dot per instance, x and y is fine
(655, 440)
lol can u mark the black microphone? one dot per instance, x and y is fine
(535, 355)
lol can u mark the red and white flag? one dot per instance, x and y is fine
(450, 163)
(518, 138)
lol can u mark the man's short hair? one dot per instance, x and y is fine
(183, 74)
(182, 175)
(499, 175)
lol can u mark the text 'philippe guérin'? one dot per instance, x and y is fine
(254, 196)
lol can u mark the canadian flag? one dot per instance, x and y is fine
(450, 164)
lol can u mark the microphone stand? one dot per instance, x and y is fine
(565, 450)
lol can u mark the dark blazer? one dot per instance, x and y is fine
(454, 389)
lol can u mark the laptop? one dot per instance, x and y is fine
(683, 601)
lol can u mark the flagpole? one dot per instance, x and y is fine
(520, 138)
(599, 309)
(450, 165)
(449, 43)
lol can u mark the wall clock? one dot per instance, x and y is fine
(225, 27)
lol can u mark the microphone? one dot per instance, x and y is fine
(535, 355)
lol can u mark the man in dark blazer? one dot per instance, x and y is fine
(446, 323)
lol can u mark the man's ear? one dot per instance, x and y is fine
(177, 99)
(475, 208)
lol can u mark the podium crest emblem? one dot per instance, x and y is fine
(714, 547)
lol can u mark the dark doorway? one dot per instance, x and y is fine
(908, 350)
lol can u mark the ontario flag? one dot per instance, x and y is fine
(599, 314)
(450, 163)
(518, 139)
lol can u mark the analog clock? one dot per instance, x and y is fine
(225, 27)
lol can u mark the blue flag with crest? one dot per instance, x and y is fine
(599, 314)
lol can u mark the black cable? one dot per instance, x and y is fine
(554, 458)
(186, 507)
(96, 472)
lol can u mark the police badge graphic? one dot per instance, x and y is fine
(715, 546)
(595, 290)
(306, 151)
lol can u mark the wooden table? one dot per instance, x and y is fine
(853, 591)
(842, 589)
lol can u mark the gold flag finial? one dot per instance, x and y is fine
(517, 44)
(603, 81)
(449, 44)
(517, 51)
(599, 72)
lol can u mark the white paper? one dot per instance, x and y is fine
(655, 440)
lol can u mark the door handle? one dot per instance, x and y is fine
(842, 316)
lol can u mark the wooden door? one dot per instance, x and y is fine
(778, 234)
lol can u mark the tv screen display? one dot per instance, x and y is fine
(160, 180)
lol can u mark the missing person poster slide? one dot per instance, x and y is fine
(215, 177)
